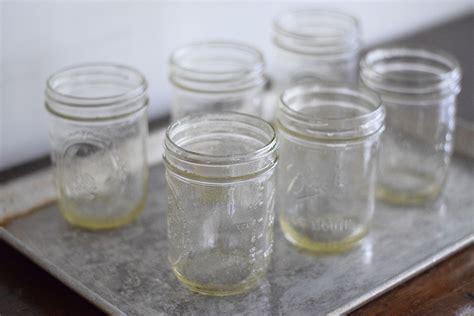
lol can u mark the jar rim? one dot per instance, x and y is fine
(343, 39)
(244, 47)
(77, 106)
(447, 78)
(105, 100)
(249, 74)
(332, 128)
(229, 159)
(342, 16)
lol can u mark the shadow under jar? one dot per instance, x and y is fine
(326, 175)
(98, 131)
(419, 89)
(221, 188)
(217, 76)
(315, 46)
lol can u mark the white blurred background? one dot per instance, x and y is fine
(40, 37)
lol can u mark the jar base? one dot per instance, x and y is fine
(409, 187)
(213, 290)
(405, 198)
(307, 244)
(102, 224)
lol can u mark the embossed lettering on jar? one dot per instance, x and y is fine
(98, 129)
(217, 76)
(418, 88)
(221, 185)
(326, 174)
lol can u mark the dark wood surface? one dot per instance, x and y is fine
(446, 289)
(26, 289)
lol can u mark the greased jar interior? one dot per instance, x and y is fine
(419, 88)
(220, 234)
(326, 173)
(98, 130)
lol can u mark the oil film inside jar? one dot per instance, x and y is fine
(102, 175)
(98, 130)
(220, 235)
(419, 89)
(326, 174)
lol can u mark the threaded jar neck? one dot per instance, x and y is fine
(323, 113)
(322, 34)
(407, 74)
(217, 67)
(223, 147)
(98, 91)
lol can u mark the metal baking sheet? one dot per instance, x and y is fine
(126, 271)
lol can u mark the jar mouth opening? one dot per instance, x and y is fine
(217, 66)
(95, 85)
(201, 57)
(331, 112)
(410, 70)
(96, 92)
(199, 138)
(330, 103)
(316, 32)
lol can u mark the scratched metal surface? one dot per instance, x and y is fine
(128, 267)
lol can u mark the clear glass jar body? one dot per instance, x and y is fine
(418, 88)
(98, 132)
(221, 185)
(326, 174)
(217, 76)
(314, 46)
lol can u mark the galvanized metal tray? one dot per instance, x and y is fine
(125, 271)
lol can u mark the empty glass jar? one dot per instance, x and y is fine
(98, 130)
(217, 76)
(315, 46)
(326, 175)
(418, 88)
(221, 189)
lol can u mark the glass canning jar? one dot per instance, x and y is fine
(221, 185)
(418, 88)
(98, 131)
(315, 46)
(217, 76)
(326, 175)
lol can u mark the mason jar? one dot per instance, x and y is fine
(220, 169)
(217, 76)
(326, 175)
(314, 46)
(418, 88)
(98, 132)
